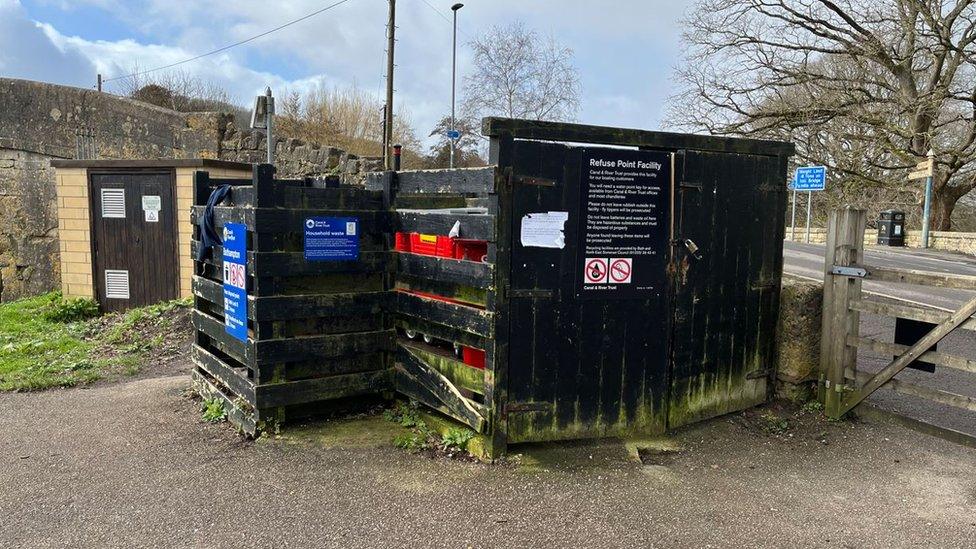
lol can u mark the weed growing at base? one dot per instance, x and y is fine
(213, 410)
(421, 437)
(47, 341)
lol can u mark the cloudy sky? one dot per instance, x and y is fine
(624, 50)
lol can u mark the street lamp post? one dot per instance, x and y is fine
(453, 141)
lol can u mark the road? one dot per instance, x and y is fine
(806, 260)
(133, 465)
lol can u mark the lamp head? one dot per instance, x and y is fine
(457, 6)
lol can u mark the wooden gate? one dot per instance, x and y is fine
(844, 387)
(133, 216)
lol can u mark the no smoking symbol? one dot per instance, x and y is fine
(621, 270)
(595, 271)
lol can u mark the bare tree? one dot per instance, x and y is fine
(466, 148)
(177, 90)
(864, 86)
(519, 74)
(348, 118)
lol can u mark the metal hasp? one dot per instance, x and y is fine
(857, 272)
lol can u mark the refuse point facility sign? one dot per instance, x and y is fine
(331, 239)
(810, 178)
(626, 198)
(235, 280)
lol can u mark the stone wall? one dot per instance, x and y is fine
(28, 224)
(798, 337)
(41, 122)
(948, 241)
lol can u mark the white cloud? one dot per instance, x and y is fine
(25, 51)
(624, 52)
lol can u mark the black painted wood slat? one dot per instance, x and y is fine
(455, 271)
(461, 317)
(580, 133)
(473, 226)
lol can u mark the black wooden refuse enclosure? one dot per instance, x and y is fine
(589, 282)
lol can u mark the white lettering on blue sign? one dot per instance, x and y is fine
(235, 280)
(332, 239)
(810, 178)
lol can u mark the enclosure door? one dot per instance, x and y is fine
(134, 240)
(730, 207)
(578, 366)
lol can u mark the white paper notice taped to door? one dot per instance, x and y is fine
(544, 230)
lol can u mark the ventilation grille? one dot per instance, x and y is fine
(113, 203)
(117, 284)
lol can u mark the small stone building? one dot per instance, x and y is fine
(41, 122)
(124, 227)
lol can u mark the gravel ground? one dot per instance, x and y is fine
(132, 465)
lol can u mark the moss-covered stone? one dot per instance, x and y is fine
(798, 334)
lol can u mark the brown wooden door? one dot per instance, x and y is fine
(135, 258)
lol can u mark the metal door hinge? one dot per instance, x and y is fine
(522, 407)
(529, 293)
(857, 272)
(689, 186)
(529, 180)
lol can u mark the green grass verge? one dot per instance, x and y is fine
(46, 341)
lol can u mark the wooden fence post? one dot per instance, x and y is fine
(844, 248)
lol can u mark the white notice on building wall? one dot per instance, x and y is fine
(544, 230)
(151, 202)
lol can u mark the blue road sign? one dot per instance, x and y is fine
(810, 178)
(235, 280)
(331, 239)
(453, 134)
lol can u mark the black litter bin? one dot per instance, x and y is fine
(891, 228)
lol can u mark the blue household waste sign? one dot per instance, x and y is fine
(811, 178)
(235, 280)
(331, 239)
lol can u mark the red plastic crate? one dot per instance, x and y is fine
(471, 250)
(473, 357)
(402, 242)
(428, 244)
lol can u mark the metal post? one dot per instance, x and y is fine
(455, 9)
(388, 121)
(809, 207)
(269, 117)
(927, 212)
(793, 221)
(397, 149)
(99, 81)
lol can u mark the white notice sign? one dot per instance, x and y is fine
(544, 230)
(151, 202)
(152, 216)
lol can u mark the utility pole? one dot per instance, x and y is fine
(388, 120)
(451, 137)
